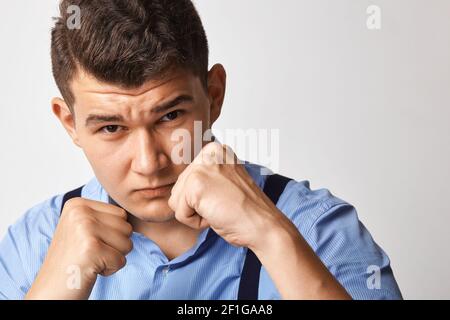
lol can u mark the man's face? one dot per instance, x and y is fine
(126, 136)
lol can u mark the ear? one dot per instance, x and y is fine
(65, 116)
(217, 79)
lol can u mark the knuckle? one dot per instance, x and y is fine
(71, 207)
(91, 245)
(208, 147)
(73, 202)
(178, 216)
(122, 213)
(116, 262)
(197, 184)
(196, 179)
(85, 222)
(122, 261)
(128, 229)
(129, 246)
(77, 213)
(181, 217)
(214, 146)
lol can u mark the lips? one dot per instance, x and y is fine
(155, 192)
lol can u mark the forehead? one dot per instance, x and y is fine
(90, 92)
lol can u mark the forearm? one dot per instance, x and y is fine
(296, 270)
(54, 284)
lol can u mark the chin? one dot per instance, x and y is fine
(155, 211)
(156, 218)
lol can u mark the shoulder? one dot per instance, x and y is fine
(42, 218)
(332, 228)
(301, 204)
(25, 244)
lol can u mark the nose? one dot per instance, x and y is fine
(148, 157)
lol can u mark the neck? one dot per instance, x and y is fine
(173, 237)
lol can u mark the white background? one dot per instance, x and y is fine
(364, 113)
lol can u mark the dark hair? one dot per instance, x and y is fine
(127, 42)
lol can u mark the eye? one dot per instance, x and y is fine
(172, 115)
(110, 129)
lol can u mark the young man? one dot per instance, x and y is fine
(149, 227)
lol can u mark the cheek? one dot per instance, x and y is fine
(106, 162)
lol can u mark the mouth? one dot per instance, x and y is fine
(155, 192)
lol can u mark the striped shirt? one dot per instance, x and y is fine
(212, 268)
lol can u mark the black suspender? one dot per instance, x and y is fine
(249, 285)
(69, 195)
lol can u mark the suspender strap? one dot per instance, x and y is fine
(249, 285)
(69, 195)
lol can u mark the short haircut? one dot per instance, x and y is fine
(127, 42)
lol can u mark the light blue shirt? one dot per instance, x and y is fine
(212, 268)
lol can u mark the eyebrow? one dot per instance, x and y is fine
(94, 119)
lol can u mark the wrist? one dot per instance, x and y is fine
(54, 283)
(277, 234)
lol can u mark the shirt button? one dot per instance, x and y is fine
(166, 270)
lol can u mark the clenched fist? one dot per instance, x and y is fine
(93, 237)
(216, 191)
